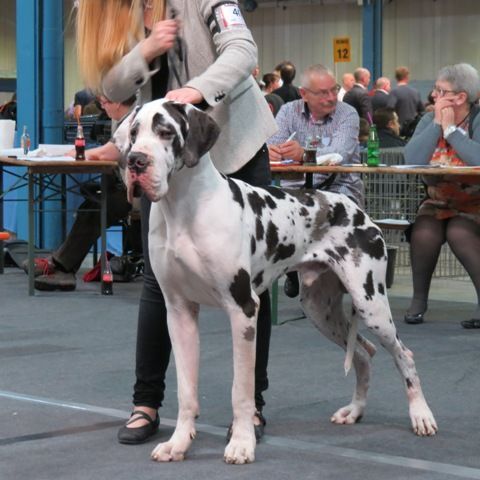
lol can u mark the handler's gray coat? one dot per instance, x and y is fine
(219, 65)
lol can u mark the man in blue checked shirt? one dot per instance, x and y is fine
(319, 119)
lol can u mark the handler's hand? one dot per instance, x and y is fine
(161, 38)
(185, 95)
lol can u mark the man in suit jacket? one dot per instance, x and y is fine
(358, 96)
(380, 96)
(404, 99)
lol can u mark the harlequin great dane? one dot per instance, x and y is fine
(221, 242)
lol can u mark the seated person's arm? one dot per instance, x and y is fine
(278, 146)
(420, 148)
(467, 148)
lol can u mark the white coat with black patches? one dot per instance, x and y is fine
(221, 242)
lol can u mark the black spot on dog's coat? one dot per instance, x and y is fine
(303, 212)
(249, 334)
(368, 286)
(333, 255)
(240, 289)
(342, 251)
(338, 216)
(368, 241)
(259, 229)
(283, 252)
(257, 281)
(275, 192)
(257, 203)
(236, 192)
(303, 196)
(409, 383)
(253, 245)
(358, 218)
(381, 289)
(270, 202)
(271, 239)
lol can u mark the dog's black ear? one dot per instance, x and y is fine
(202, 134)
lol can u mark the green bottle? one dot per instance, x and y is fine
(373, 147)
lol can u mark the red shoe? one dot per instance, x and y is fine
(42, 266)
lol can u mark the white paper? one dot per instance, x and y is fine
(329, 159)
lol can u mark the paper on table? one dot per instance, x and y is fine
(47, 152)
(329, 159)
(44, 153)
(11, 152)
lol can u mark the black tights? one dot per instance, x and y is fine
(427, 237)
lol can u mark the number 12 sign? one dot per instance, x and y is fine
(341, 49)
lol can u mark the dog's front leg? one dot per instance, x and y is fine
(183, 330)
(241, 448)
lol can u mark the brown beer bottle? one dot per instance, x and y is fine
(79, 144)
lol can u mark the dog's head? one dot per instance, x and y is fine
(158, 139)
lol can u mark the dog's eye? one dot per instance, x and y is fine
(165, 133)
(133, 134)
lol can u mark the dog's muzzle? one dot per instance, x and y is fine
(137, 162)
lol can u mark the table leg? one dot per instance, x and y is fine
(103, 224)
(31, 234)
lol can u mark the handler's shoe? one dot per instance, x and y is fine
(136, 435)
(41, 266)
(58, 280)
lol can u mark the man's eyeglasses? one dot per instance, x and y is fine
(323, 93)
(442, 91)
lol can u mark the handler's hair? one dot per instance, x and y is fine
(106, 30)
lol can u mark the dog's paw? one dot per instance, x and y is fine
(423, 421)
(240, 452)
(349, 414)
(169, 452)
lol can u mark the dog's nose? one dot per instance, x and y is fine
(137, 162)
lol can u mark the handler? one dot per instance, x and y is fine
(193, 52)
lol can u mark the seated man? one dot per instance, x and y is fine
(58, 271)
(388, 128)
(333, 125)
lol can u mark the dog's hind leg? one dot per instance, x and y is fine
(322, 302)
(375, 312)
(183, 330)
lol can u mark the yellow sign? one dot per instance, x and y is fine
(341, 49)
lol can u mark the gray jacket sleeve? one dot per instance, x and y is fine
(125, 78)
(236, 58)
(420, 148)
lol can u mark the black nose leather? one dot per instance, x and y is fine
(137, 162)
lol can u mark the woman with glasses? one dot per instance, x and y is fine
(449, 136)
(198, 52)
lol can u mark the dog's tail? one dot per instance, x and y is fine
(351, 340)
